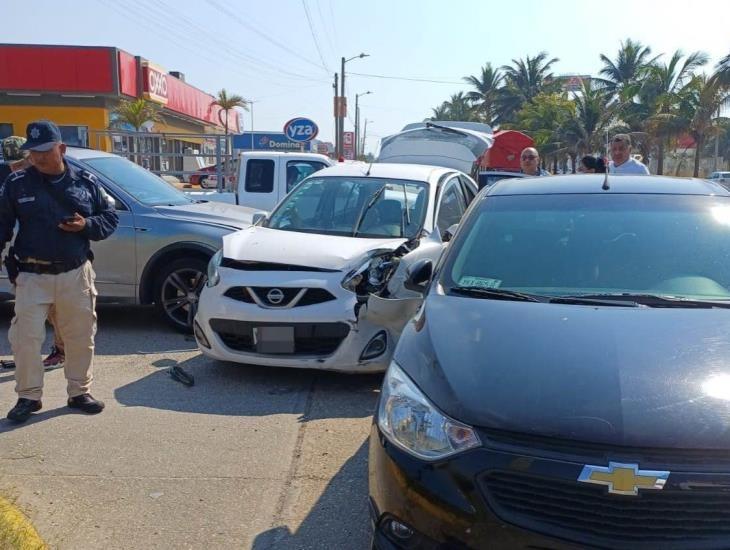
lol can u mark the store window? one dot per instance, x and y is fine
(75, 136)
(6, 130)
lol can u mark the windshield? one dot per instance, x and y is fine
(354, 206)
(562, 245)
(141, 184)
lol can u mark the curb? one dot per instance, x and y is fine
(16, 531)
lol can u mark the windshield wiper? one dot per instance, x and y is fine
(496, 293)
(367, 207)
(648, 300)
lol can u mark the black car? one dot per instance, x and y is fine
(566, 383)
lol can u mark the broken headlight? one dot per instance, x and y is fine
(371, 276)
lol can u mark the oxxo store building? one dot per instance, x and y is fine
(78, 88)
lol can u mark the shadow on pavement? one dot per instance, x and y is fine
(339, 518)
(246, 390)
(9, 426)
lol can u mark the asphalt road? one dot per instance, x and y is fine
(249, 457)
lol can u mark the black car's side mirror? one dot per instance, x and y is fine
(419, 275)
(447, 235)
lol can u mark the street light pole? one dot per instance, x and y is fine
(343, 114)
(337, 121)
(364, 136)
(357, 123)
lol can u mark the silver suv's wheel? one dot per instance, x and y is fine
(177, 291)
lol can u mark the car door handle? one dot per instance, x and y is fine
(141, 229)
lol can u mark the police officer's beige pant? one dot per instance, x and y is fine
(74, 296)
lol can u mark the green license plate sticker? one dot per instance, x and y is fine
(480, 282)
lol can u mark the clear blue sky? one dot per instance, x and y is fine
(266, 51)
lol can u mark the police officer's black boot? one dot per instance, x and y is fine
(23, 409)
(86, 403)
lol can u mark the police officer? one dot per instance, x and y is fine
(59, 209)
(13, 157)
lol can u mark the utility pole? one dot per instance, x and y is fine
(717, 147)
(337, 121)
(357, 123)
(343, 113)
(364, 136)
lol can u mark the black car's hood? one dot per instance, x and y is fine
(626, 376)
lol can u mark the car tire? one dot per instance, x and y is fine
(202, 183)
(177, 288)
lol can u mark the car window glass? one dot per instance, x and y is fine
(361, 206)
(571, 244)
(297, 170)
(141, 184)
(451, 205)
(467, 190)
(259, 176)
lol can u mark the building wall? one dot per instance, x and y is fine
(94, 118)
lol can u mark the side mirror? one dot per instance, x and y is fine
(447, 235)
(419, 275)
(259, 217)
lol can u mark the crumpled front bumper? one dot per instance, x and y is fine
(364, 320)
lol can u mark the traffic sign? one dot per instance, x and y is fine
(301, 129)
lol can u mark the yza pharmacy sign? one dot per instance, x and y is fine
(301, 130)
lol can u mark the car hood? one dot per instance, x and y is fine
(261, 244)
(644, 377)
(229, 215)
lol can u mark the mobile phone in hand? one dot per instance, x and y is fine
(69, 219)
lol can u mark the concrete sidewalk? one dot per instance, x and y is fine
(248, 457)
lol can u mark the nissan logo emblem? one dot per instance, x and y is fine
(275, 296)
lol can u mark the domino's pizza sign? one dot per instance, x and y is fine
(301, 130)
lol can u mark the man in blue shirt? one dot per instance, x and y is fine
(59, 210)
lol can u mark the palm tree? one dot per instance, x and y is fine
(723, 71)
(439, 113)
(708, 98)
(594, 114)
(543, 119)
(665, 92)
(524, 80)
(228, 103)
(629, 67)
(135, 113)
(486, 89)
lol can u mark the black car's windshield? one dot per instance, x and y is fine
(141, 184)
(354, 206)
(597, 246)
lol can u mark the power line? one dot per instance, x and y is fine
(228, 49)
(314, 35)
(433, 81)
(266, 37)
(334, 25)
(328, 34)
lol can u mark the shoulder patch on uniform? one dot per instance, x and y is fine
(89, 176)
(16, 175)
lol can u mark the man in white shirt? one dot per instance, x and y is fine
(623, 163)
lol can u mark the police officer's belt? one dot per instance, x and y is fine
(40, 267)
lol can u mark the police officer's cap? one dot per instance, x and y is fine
(42, 136)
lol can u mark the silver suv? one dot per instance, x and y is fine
(160, 250)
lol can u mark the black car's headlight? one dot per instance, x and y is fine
(213, 265)
(410, 421)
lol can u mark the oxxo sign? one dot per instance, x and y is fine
(155, 83)
(301, 130)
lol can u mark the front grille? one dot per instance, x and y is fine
(244, 265)
(311, 297)
(585, 451)
(590, 515)
(319, 339)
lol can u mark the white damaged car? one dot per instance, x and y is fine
(320, 282)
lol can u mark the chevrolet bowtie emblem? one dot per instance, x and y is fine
(623, 479)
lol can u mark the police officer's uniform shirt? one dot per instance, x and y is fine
(5, 171)
(25, 198)
(631, 166)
